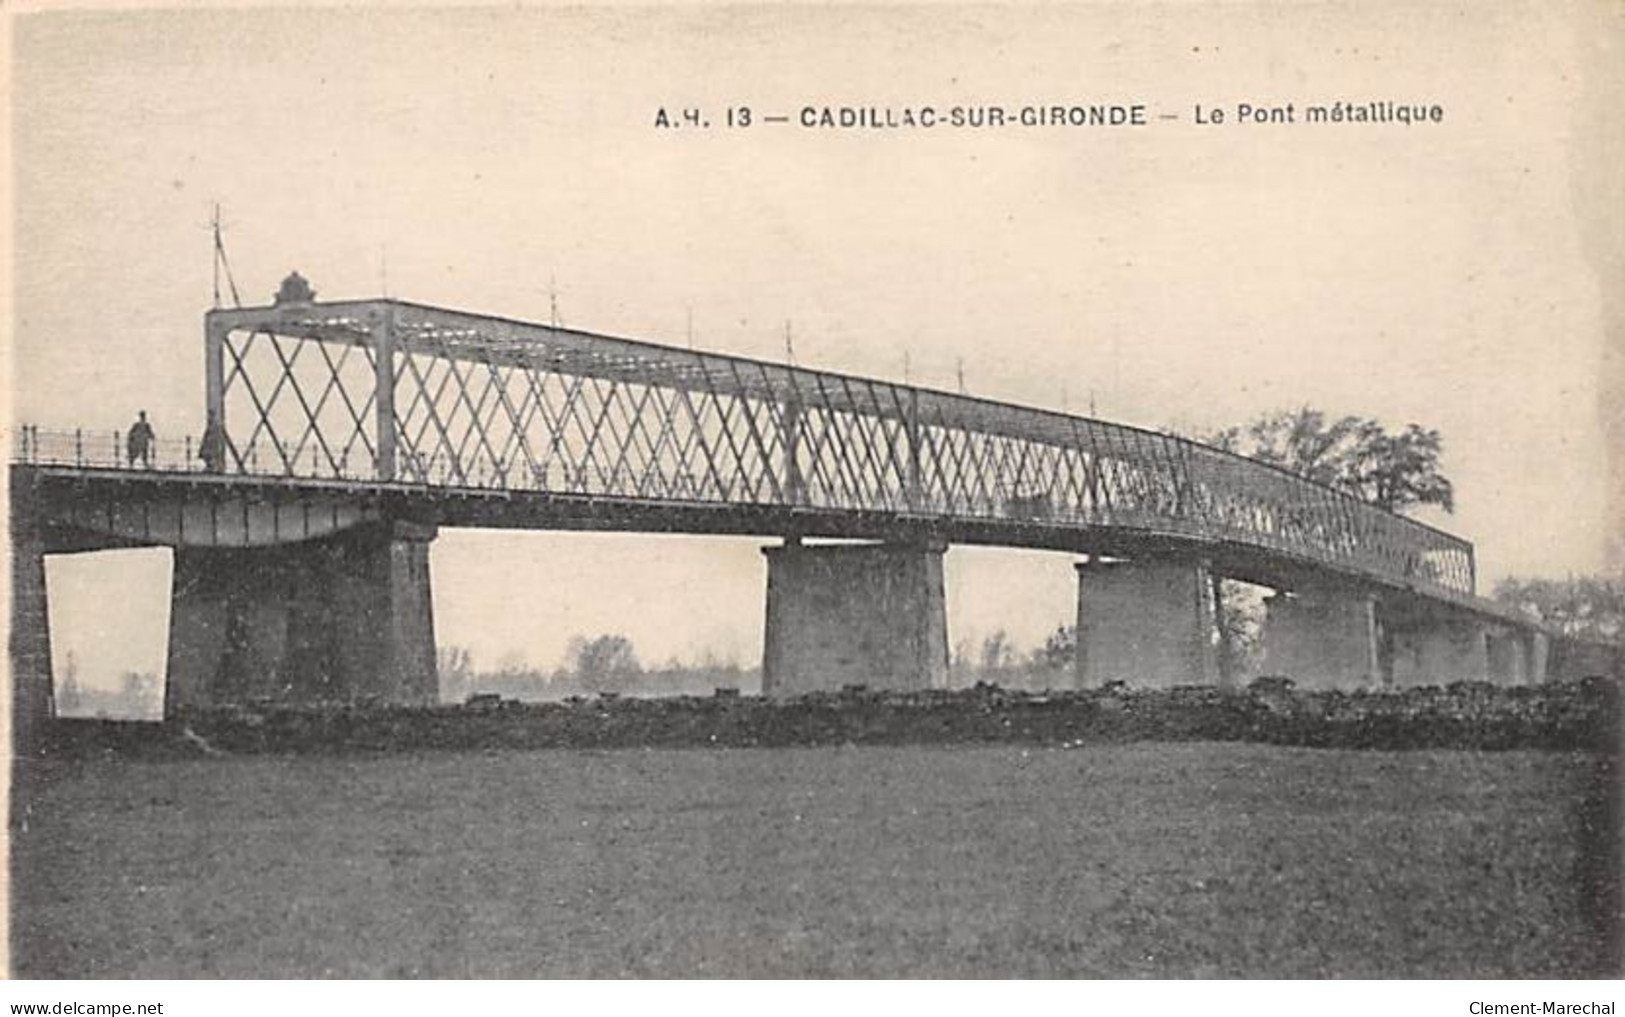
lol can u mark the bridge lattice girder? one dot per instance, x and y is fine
(388, 391)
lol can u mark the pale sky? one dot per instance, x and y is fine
(1462, 275)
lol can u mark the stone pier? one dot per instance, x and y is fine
(347, 618)
(854, 614)
(1146, 622)
(1539, 657)
(1439, 652)
(1322, 639)
(1508, 657)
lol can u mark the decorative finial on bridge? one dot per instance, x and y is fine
(295, 290)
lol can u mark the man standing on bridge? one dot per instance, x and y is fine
(213, 447)
(140, 442)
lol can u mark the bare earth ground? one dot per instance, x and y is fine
(1162, 860)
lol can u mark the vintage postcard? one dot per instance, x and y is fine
(1109, 490)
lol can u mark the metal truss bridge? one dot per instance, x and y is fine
(480, 420)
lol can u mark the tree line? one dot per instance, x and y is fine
(594, 665)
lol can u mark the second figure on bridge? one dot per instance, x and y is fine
(212, 450)
(140, 441)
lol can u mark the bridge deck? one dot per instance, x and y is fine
(102, 505)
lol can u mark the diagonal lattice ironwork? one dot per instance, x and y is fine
(311, 405)
(407, 394)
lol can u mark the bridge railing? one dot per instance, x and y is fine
(101, 449)
(109, 449)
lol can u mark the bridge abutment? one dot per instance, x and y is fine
(1322, 639)
(854, 614)
(32, 700)
(346, 618)
(1146, 622)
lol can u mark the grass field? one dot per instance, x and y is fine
(1136, 860)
